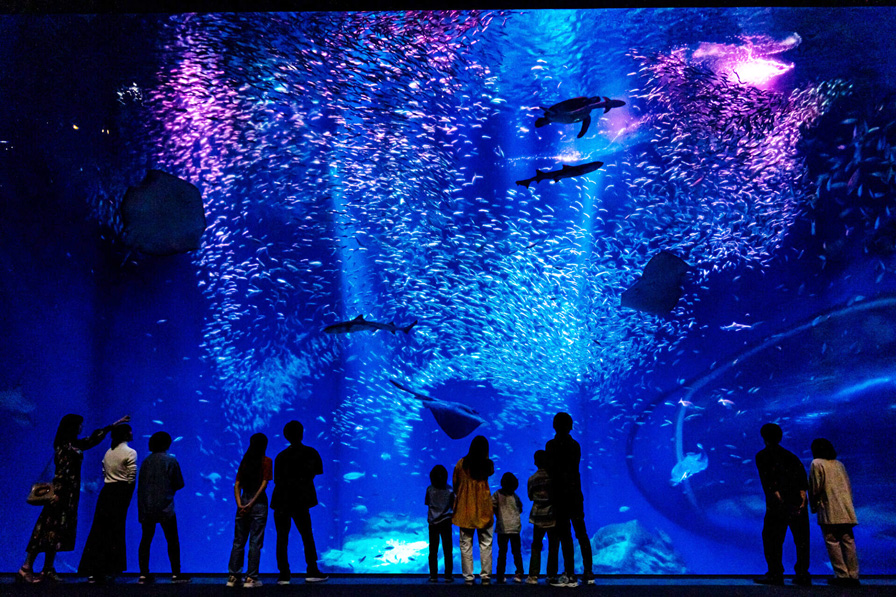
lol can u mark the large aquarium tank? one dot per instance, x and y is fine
(416, 227)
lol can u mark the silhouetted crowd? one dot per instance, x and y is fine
(555, 490)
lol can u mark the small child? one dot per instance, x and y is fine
(158, 479)
(541, 516)
(440, 499)
(508, 509)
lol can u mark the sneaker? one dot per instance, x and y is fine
(317, 576)
(252, 583)
(468, 582)
(50, 576)
(283, 579)
(179, 579)
(486, 581)
(531, 580)
(803, 580)
(517, 578)
(564, 581)
(234, 581)
(768, 579)
(589, 579)
(146, 579)
(433, 579)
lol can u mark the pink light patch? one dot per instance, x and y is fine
(748, 64)
(757, 71)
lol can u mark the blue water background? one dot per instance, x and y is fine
(366, 164)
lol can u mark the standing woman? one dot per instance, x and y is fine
(252, 478)
(105, 552)
(473, 509)
(58, 521)
(830, 494)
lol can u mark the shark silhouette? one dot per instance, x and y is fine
(566, 172)
(359, 324)
(457, 420)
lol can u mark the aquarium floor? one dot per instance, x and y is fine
(413, 585)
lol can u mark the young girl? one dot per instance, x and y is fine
(830, 494)
(473, 508)
(252, 478)
(508, 509)
(440, 499)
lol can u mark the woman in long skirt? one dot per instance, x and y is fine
(105, 552)
(55, 528)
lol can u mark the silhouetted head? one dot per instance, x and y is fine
(771, 433)
(822, 448)
(121, 433)
(476, 462)
(562, 423)
(250, 471)
(293, 432)
(541, 459)
(159, 442)
(68, 430)
(509, 482)
(438, 477)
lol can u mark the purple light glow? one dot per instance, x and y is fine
(748, 64)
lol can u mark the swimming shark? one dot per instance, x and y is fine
(455, 419)
(566, 172)
(577, 109)
(359, 324)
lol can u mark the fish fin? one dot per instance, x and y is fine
(407, 328)
(523, 183)
(537, 172)
(455, 423)
(607, 105)
(541, 122)
(585, 124)
(358, 318)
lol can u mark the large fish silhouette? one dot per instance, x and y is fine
(457, 420)
(163, 215)
(566, 172)
(660, 287)
(359, 323)
(577, 109)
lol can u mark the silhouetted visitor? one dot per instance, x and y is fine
(294, 495)
(440, 499)
(252, 478)
(564, 455)
(784, 483)
(57, 524)
(508, 509)
(158, 480)
(830, 494)
(473, 508)
(105, 553)
(542, 517)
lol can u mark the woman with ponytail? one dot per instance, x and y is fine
(473, 509)
(252, 478)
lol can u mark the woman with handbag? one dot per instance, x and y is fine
(58, 521)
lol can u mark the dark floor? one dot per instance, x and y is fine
(411, 585)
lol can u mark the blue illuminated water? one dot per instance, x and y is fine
(367, 164)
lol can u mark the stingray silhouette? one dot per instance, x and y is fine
(163, 215)
(456, 420)
(660, 287)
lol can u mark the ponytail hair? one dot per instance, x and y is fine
(250, 471)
